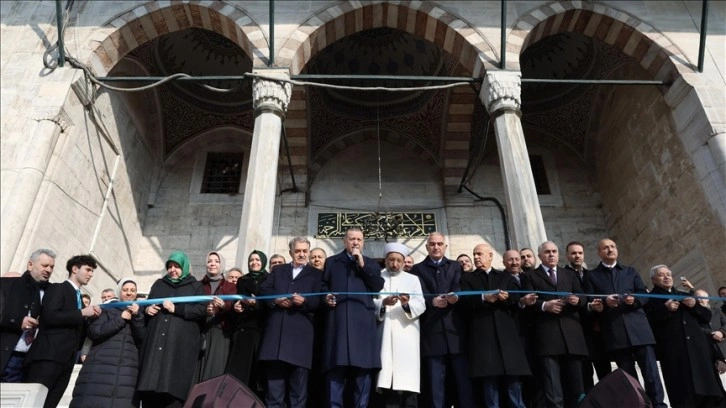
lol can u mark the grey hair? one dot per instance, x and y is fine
(42, 251)
(654, 269)
(296, 240)
(541, 246)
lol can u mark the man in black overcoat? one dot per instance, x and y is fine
(495, 351)
(559, 339)
(684, 353)
(21, 310)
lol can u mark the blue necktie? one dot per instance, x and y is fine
(78, 299)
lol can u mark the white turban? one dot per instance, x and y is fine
(396, 247)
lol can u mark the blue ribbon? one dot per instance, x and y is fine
(208, 298)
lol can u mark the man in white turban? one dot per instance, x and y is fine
(399, 308)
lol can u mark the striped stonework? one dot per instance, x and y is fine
(115, 39)
(421, 18)
(296, 129)
(457, 134)
(655, 52)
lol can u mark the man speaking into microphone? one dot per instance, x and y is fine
(350, 341)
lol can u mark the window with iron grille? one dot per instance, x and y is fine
(541, 183)
(222, 173)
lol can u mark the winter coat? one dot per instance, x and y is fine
(289, 333)
(172, 342)
(108, 376)
(684, 352)
(351, 335)
(494, 343)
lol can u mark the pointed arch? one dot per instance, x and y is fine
(422, 18)
(652, 49)
(143, 23)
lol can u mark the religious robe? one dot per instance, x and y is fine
(400, 345)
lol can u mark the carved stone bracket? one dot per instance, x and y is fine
(502, 90)
(271, 94)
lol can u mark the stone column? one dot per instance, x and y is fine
(501, 95)
(24, 190)
(270, 99)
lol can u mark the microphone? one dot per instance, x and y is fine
(357, 258)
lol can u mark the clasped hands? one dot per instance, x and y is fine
(444, 300)
(556, 305)
(288, 302)
(131, 311)
(393, 299)
(168, 305)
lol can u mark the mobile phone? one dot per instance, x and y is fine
(683, 279)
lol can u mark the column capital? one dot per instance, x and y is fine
(502, 90)
(271, 94)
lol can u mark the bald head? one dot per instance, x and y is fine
(704, 294)
(483, 255)
(512, 262)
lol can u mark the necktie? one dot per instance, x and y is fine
(29, 336)
(553, 276)
(78, 299)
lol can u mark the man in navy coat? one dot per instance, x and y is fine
(442, 326)
(287, 342)
(350, 339)
(624, 325)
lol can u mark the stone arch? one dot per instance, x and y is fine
(219, 135)
(143, 23)
(422, 18)
(364, 135)
(655, 52)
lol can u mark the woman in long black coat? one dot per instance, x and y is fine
(217, 330)
(171, 345)
(108, 375)
(248, 325)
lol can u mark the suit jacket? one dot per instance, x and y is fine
(20, 296)
(351, 334)
(61, 330)
(289, 333)
(557, 334)
(623, 326)
(442, 329)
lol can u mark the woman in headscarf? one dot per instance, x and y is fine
(217, 331)
(108, 375)
(170, 350)
(242, 362)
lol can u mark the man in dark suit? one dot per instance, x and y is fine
(560, 342)
(21, 309)
(495, 351)
(590, 323)
(350, 339)
(685, 355)
(61, 331)
(624, 325)
(287, 342)
(442, 327)
(526, 316)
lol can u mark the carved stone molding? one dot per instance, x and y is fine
(269, 94)
(502, 90)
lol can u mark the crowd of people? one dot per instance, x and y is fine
(348, 331)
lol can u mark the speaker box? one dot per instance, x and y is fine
(617, 389)
(221, 392)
